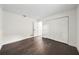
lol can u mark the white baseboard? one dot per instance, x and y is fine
(0, 47)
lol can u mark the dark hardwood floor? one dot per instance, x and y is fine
(0, 52)
(45, 47)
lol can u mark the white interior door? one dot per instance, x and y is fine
(38, 28)
(56, 29)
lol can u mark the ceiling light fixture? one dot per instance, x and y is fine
(24, 16)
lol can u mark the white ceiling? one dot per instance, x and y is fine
(37, 10)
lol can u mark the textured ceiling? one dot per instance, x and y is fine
(37, 10)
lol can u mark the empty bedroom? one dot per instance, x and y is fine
(39, 29)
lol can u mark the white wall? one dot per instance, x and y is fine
(78, 27)
(72, 24)
(16, 27)
(0, 27)
(57, 29)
